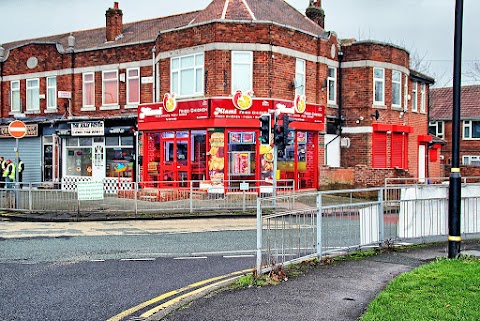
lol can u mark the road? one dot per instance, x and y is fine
(64, 276)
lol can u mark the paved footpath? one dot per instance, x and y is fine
(339, 292)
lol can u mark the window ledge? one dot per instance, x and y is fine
(92, 108)
(51, 110)
(379, 106)
(30, 112)
(397, 107)
(110, 107)
(131, 106)
(332, 105)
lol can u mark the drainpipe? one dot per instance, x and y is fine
(154, 75)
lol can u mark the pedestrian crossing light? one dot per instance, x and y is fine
(265, 129)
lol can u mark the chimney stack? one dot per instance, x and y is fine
(315, 13)
(114, 22)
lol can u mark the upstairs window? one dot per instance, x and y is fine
(33, 95)
(423, 99)
(110, 87)
(396, 89)
(471, 129)
(89, 89)
(471, 160)
(379, 86)
(332, 85)
(436, 128)
(300, 77)
(187, 75)
(15, 96)
(415, 97)
(133, 86)
(242, 71)
(51, 92)
(405, 94)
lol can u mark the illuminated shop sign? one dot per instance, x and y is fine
(94, 128)
(184, 110)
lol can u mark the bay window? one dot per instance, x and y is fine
(187, 75)
(396, 88)
(242, 71)
(379, 86)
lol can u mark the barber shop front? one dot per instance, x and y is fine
(216, 142)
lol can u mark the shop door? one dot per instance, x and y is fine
(175, 158)
(98, 166)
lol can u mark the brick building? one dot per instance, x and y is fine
(441, 110)
(185, 94)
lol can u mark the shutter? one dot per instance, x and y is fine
(30, 152)
(397, 150)
(379, 150)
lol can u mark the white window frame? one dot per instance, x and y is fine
(379, 82)
(439, 130)
(112, 80)
(247, 63)
(84, 89)
(137, 80)
(15, 92)
(333, 81)
(397, 85)
(468, 124)
(415, 97)
(423, 99)
(300, 76)
(30, 90)
(468, 159)
(405, 94)
(51, 94)
(198, 69)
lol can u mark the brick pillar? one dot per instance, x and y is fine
(114, 17)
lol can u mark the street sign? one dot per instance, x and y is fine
(65, 94)
(17, 129)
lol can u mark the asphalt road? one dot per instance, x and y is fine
(96, 277)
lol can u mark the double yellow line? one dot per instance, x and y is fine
(192, 290)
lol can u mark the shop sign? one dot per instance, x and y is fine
(184, 110)
(119, 130)
(93, 128)
(32, 131)
(226, 109)
(312, 113)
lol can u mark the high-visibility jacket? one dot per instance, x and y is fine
(11, 171)
(4, 170)
(4, 165)
(20, 166)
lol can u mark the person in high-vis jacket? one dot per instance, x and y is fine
(9, 174)
(3, 167)
(20, 168)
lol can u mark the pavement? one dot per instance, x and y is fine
(339, 291)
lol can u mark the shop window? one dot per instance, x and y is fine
(332, 85)
(88, 89)
(242, 71)
(199, 157)
(33, 95)
(15, 96)
(110, 87)
(187, 75)
(242, 154)
(396, 89)
(52, 93)
(133, 86)
(120, 161)
(79, 161)
(379, 86)
(300, 77)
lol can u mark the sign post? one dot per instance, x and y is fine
(17, 129)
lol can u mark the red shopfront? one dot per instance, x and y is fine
(216, 142)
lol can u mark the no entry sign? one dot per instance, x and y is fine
(17, 129)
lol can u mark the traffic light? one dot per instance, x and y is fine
(288, 133)
(279, 136)
(265, 129)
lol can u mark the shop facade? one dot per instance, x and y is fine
(215, 142)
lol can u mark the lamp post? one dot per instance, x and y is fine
(455, 188)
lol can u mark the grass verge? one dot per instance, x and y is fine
(444, 290)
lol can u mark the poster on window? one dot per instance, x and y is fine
(216, 162)
(241, 163)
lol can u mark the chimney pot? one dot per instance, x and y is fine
(115, 5)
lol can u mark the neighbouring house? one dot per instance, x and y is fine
(180, 98)
(440, 125)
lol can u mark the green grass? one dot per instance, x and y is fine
(443, 290)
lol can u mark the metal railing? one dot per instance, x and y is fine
(293, 228)
(140, 199)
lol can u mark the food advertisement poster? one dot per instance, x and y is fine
(216, 162)
(241, 163)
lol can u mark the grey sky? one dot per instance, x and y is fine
(424, 27)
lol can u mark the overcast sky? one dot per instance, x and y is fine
(424, 27)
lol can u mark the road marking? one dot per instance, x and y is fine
(237, 256)
(145, 304)
(142, 259)
(99, 260)
(173, 301)
(191, 258)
